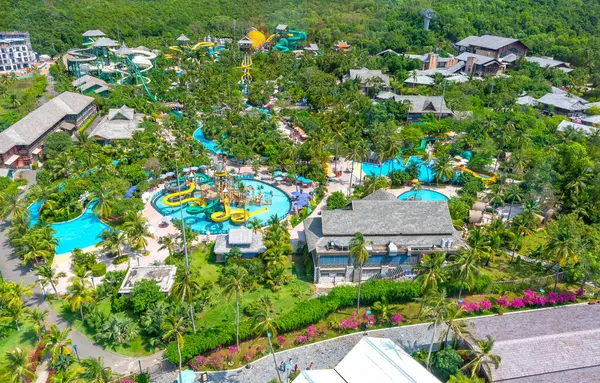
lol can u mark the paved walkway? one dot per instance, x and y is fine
(558, 344)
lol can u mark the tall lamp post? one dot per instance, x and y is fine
(76, 352)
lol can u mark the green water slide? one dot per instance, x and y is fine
(141, 78)
(195, 209)
(289, 40)
(425, 140)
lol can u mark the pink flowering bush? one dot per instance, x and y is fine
(197, 363)
(580, 293)
(311, 331)
(369, 319)
(249, 355)
(351, 323)
(470, 307)
(517, 303)
(301, 339)
(126, 380)
(280, 340)
(502, 301)
(396, 319)
(485, 304)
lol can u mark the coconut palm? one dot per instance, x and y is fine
(167, 243)
(562, 246)
(459, 328)
(38, 317)
(80, 292)
(69, 375)
(34, 248)
(233, 280)
(15, 313)
(136, 228)
(93, 371)
(437, 307)
(47, 275)
(466, 270)
(186, 287)
(113, 240)
(513, 193)
(520, 226)
(359, 253)
(431, 272)
(105, 198)
(263, 322)
(18, 291)
(256, 225)
(174, 327)
(479, 242)
(57, 342)
(481, 357)
(12, 205)
(17, 368)
(443, 170)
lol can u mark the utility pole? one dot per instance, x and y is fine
(442, 102)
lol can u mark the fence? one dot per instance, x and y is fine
(561, 277)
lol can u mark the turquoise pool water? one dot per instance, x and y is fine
(423, 195)
(425, 168)
(208, 144)
(81, 232)
(201, 223)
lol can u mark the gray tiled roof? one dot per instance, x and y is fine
(420, 80)
(564, 101)
(364, 74)
(31, 127)
(183, 38)
(486, 41)
(418, 103)
(119, 124)
(223, 244)
(93, 33)
(544, 62)
(86, 82)
(105, 42)
(481, 60)
(526, 100)
(564, 125)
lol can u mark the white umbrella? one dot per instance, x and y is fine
(167, 218)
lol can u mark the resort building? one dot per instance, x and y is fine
(369, 78)
(420, 105)
(372, 360)
(549, 62)
(91, 85)
(164, 276)
(250, 243)
(480, 65)
(496, 47)
(398, 233)
(21, 144)
(16, 53)
(429, 61)
(562, 102)
(341, 46)
(119, 124)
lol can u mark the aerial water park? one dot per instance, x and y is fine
(212, 204)
(103, 58)
(208, 45)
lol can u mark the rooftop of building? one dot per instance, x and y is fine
(93, 33)
(245, 239)
(563, 100)
(549, 62)
(119, 124)
(164, 276)
(364, 75)
(419, 103)
(105, 42)
(566, 125)
(86, 82)
(31, 127)
(183, 37)
(481, 60)
(487, 41)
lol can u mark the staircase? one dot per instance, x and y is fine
(391, 274)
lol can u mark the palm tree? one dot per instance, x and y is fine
(186, 288)
(481, 357)
(174, 327)
(48, 276)
(17, 367)
(513, 193)
(562, 246)
(466, 270)
(167, 243)
(232, 281)
(93, 371)
(443, 170)
(136, 227)
(256, 225)
(264, 322)
(479, 242)
(18, 291)
(431, 271)
(459, 328)
(437, 307)
(12, 205)
(38, 317)
(57, 342)
(80, 292)
(15, 313)
(34, 248)
(69, 375)
(112, 240)
(520, 226)
(360, 254)
(104, 200)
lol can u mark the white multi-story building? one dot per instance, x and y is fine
(16, 53)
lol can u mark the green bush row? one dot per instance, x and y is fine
(303, 314)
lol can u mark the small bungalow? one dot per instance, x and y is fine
(164, 276)
(492, 46)
(369, 78)
(119, 124)
(250, 243)
(341, 46)
(480, 65)
(550, 62)
(91, 85)
(420, 105)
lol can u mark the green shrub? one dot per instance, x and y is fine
(121, 259)
(447, 362)
(336, 200)
(85, 260)
(144, 294)
(99, 269)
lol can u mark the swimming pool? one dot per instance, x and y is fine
(200, 223)
(208, 144)
(426, 172)
(422, 195)
(78, 233)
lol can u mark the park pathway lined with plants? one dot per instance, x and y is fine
(12, 270)
(523, 340)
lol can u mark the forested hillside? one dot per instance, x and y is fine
(566, 29)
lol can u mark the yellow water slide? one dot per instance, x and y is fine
(198, 201)
(330, 174)
(202, 44)
(176, 49)
(239, 216)
(221, 216)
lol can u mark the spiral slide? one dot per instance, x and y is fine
(199, 201)
(222, 216)
(197, 209)
(240, 216)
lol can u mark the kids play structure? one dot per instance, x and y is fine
(102, 57)
(183, 46)
(204, 194)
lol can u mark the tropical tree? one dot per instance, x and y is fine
(38, 317)
(466, 270)
(256, 225)
(14, 313)
(167, 243)
(17, 291)
(263, 321)
(479, 242)
(233, 280)
(481, 357)
(93, 371)
(513, 193)
(443, 170)
(17, 368)
(458, 328)
(119, 329)
(185, 288)
(136, 228)
(563, 242)
(58, 342)
(34, 248)
(80, 292)
(47, 275)
(105, 198)
(12, 205)
(437, 307)
(431, 272)
(520, 226)
(174, 327)
(113, 240)
(359, 253)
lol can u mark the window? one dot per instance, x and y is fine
(333, 260)
(376, 260)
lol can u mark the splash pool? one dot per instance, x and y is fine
(201, 223)
(426, 172)
(208, 144)
(78, 233)
(422, 195)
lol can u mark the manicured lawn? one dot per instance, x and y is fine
(533, 241)
(137, 347)
(206, 271)
(24, 339)
(502, 270)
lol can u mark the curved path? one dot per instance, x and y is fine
(12, 270)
